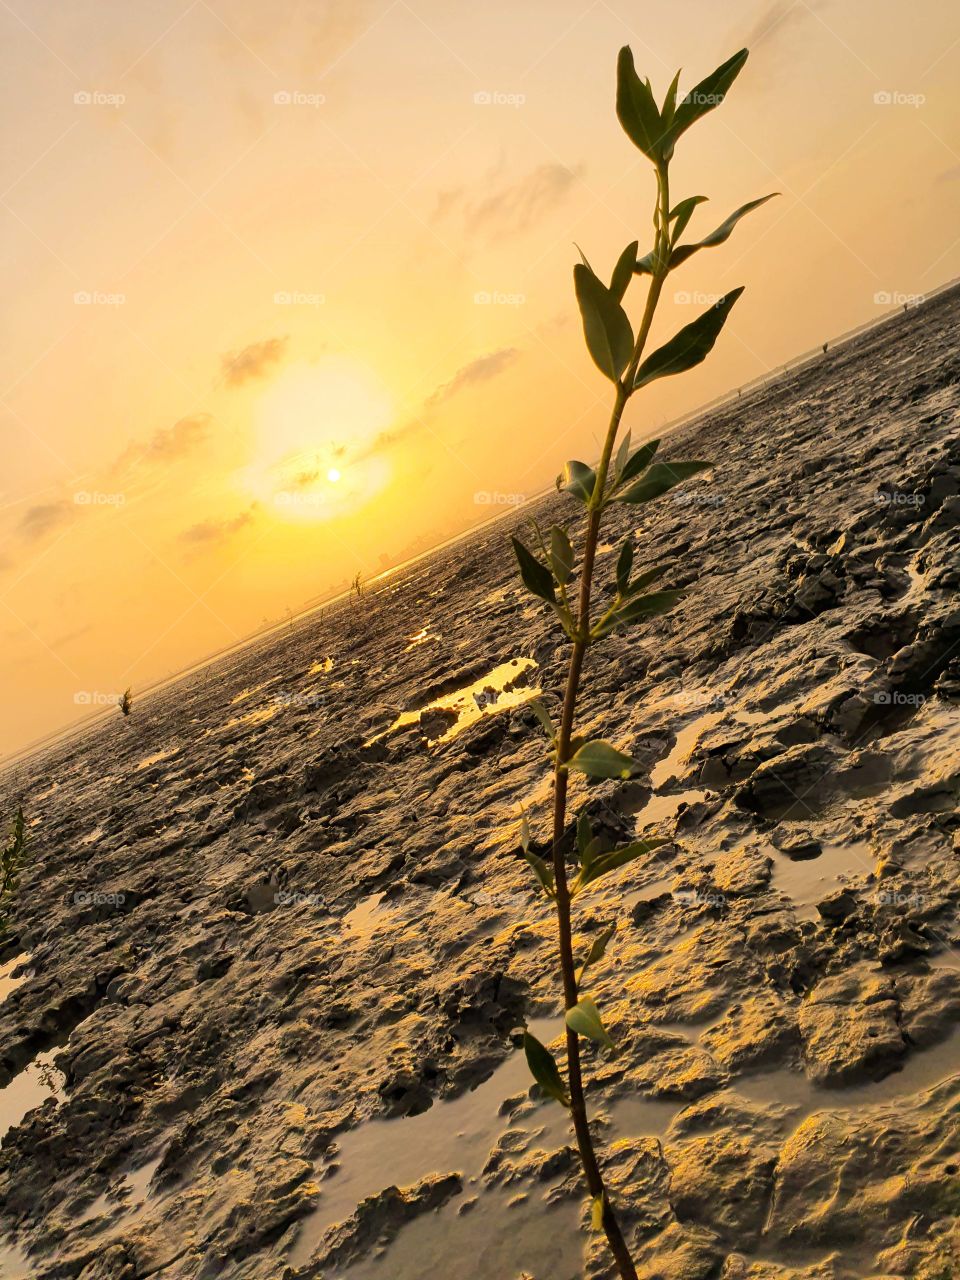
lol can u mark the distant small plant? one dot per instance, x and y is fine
(356, 586)
(631, 476)
(126, 702)
(12, 860)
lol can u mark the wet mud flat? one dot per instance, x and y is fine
(261, 1001)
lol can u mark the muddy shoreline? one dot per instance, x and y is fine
(260, 1004)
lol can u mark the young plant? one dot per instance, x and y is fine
(631, 477)
(125, 702)
(12, 859)
(356, 586)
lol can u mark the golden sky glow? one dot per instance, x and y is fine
(287, 291)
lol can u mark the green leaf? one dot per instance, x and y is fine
(722, 233)
(544, 1069)
(660, 478)
(670, 102)
(536, 576)
(638, 461)
(598, 759)
(683, 213)
(634, 610)
(579, 479)
(618, 858)
(561, 555)
(597, 951)
(636, 107)
(596, 1212)
(624, 565)
(623, 271)
(706, 95)
(584, 1019)
(620, 460)
(606, 327)
(543, 715)
(691, 345)
(543, 871)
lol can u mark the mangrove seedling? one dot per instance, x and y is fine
(12, 859)
(126, 702)
(631, 477)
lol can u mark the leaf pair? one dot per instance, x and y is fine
(598, 759)
(602, 865)
(654, 130)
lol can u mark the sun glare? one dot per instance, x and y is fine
(316, 450)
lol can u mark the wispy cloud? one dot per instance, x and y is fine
(252, 361)
(37, 521)
(210, 532)
(480, 369)
(168, 444)
(513, 207)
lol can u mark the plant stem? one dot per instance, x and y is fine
(578, 1105)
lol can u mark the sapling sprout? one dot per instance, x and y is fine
(632, 477)
(125, 702)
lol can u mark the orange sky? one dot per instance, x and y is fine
(288, 290)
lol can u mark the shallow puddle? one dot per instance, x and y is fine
(366, 917)
(14, 1263)
(31, 1087)
(921, 1070)
(464, 707)
(10, 979)
(506, 1229)
(127, 1197)
(450, 1137)
(500, 1233)
(807, 882)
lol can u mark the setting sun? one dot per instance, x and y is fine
(311, 423)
